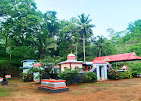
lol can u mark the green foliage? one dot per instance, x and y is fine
(88, 77)
(126, 75)
(135, 68)
(3, 61)
(130, 40)
(68, 75)
(26, 52)
(27, 77)
(113, 75)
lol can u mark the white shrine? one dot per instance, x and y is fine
(27, 64)
(71, 62)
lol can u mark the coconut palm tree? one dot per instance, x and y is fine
(100, 43)
(84, 27)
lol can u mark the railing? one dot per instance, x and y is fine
(139, 75)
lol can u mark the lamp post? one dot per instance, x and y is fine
(4, 82)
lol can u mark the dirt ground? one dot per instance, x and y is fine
(120, 90)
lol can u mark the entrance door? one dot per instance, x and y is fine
(101, 72)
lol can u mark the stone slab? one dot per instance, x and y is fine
(53, 90)
(59, 84)
(44, 83)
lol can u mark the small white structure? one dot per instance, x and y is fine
(71, 62)
(1, 79)
(27, 64)
(53, 86)
(124, 68)
(8, 76)
(36, 74)
(100, 67)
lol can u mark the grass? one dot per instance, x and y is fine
(98, 84)
(6, 91)
(3, 92)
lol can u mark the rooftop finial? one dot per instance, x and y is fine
(71, 52)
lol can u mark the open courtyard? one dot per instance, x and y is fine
(110, 90)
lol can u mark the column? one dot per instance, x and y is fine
(105, 68)
(97, 70)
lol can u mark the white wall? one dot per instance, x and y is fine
(76, 65)
(28, 64)
(64, 65)
(72, 66)
(25, 70)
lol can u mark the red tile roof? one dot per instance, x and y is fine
(99, 62)
(37, 64)
(124, 67)
(118, 57)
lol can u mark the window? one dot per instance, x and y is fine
(65, 67)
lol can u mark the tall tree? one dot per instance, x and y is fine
(84, 28)
(43, 42)
(100, 43)
(51, 22)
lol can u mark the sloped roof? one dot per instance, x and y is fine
(37, 64)
(119, 57)
(99, 62)
(124, 67)
(28, 60)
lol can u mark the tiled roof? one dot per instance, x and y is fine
(119, 57)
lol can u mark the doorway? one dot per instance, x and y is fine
(101, 73)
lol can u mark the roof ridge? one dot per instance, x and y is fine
(116, 54)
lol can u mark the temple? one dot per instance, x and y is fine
(71, 62)
(99, 65)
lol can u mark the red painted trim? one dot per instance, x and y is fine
(54, 80)
(54, 87)
(86, 67)
(70, 65)
(7, 75)
(1, 78)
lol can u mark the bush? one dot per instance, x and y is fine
(68, 75)
(126, 74)
(88, 77)
(135, 68)
(113, 75)
(27, 77)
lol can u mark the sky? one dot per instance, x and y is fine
(116, 14)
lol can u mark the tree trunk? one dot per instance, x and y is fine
(6, 38)
(41, 53)
(10, 48)
(76, 52)
(99, 52)
(84, 44)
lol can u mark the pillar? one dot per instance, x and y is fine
(105, 69)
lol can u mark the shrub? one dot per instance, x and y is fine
(135, 68)
(126, 74)
(113, 75)
(68, 75)
(27, 77)
(88, 77)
